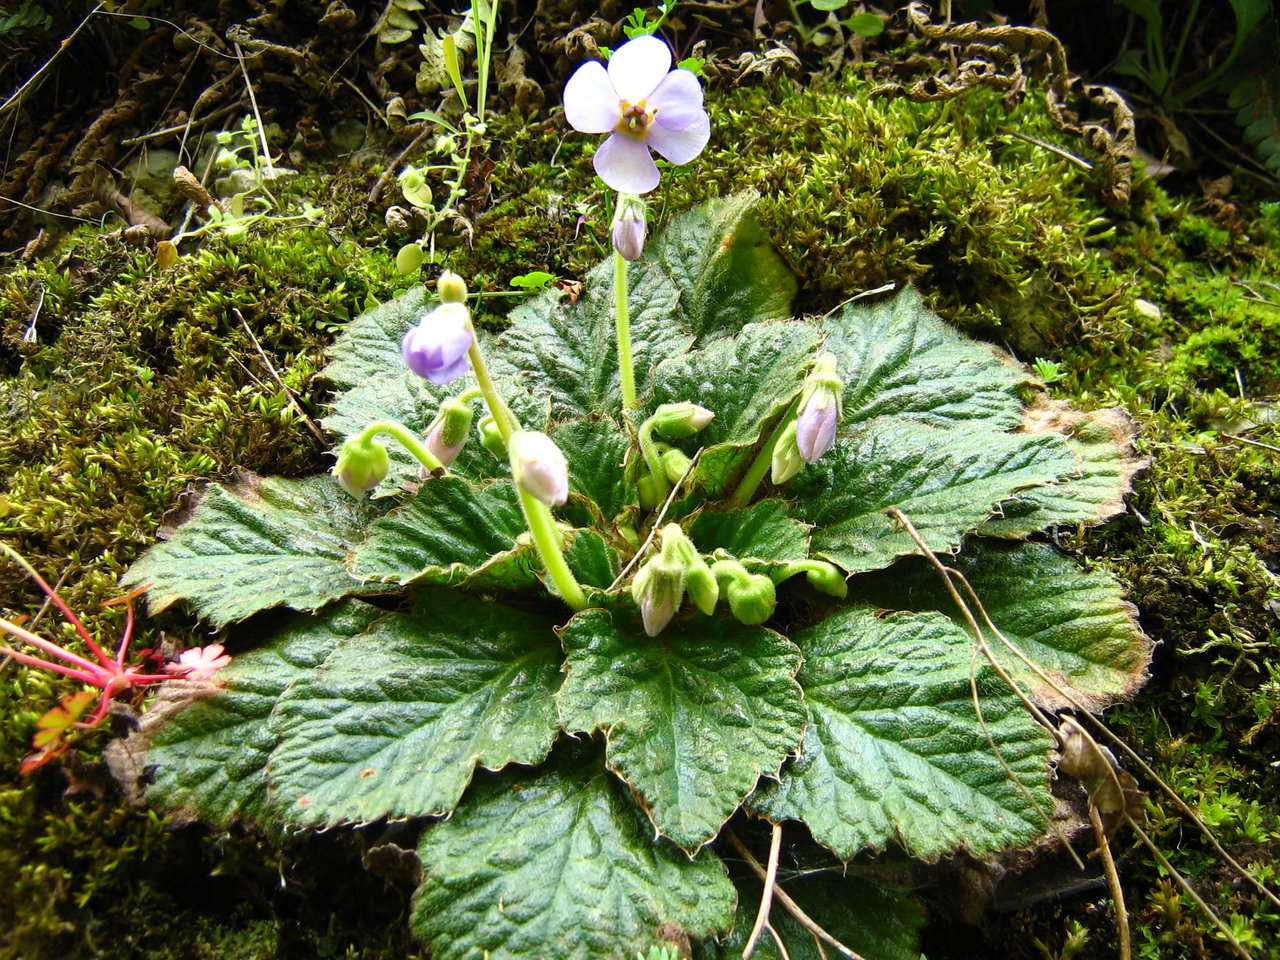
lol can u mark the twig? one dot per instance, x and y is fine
(1113, 880)
(293, 399)
(766, 898)
(253, 102)
(657, 523)
(1052, 148)
(789, 904)
(18, 95)
(782, 947)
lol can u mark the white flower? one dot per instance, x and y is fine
(642, 103)
(539, 467)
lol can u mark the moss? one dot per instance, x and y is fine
(165, 390)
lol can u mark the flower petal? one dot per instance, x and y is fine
(624, 164)
(679, 146)
(590, 102)
(677, 100)
(638, 66)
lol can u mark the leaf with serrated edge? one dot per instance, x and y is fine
(370, 344)
(595, 450)
(1106, 462)
(762, 531)
(1072, 623)
(727, 272)
(261, 544)
(692, 717)
(558, 862)
(394, 721)
(894, 750)
(899, 360)
(451, 528)
(946, 482)
(569, 351)
(209, 745)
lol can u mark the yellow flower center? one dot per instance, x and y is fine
(635, 118)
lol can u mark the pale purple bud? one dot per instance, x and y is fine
(439, 449)
(436, 349)
(816, 425)
(629, 227)
(361, 466)
(539, 467)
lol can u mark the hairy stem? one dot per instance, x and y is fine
(622, 318)
(538, 517)
(751, 480)
(407, 438)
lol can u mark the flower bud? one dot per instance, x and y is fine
(699, 581)
(451, 288)
(361, 466)
(647, 488)
(491, 437)
(455, 419)
(752, 598)
(819, 410)
(539, 467)
(826, 578)
(629, 227)
(675, 420)
(787, 459)
(439, 448)
(658, 589)
(436, 349)
(675, 464)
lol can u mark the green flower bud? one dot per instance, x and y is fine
(827, 578)
(451, 288)
(361, 466)
(455, 421)
(675, 464)
(699, 581)
(787, 459)
(752, 599)
(647, 487)
(676, 420)
(751, 596)
(491, 438)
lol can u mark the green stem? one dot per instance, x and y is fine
(653, 460)
(750, 481)
(538, 516)
(408, 439)
(498, 409)
(623, 324)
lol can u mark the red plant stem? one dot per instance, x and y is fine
(70, 615)
(53, 648)
(31, 661)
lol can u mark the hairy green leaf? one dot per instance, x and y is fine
(692, 717)
(450, 529)
(895, 751)
(899, 360)
(396, 719)
(762, 531)
(946, 482)
(261, 544)
(558, 863)
(210, 751)
(1072, 623)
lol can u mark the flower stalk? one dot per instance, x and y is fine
(622, 326)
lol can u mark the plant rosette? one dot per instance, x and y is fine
(577, 775)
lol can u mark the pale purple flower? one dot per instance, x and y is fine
(539, 467)
(436, 349)
(642, 103)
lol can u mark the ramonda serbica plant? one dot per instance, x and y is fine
(638, 598)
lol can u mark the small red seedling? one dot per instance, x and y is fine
(109, 674)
